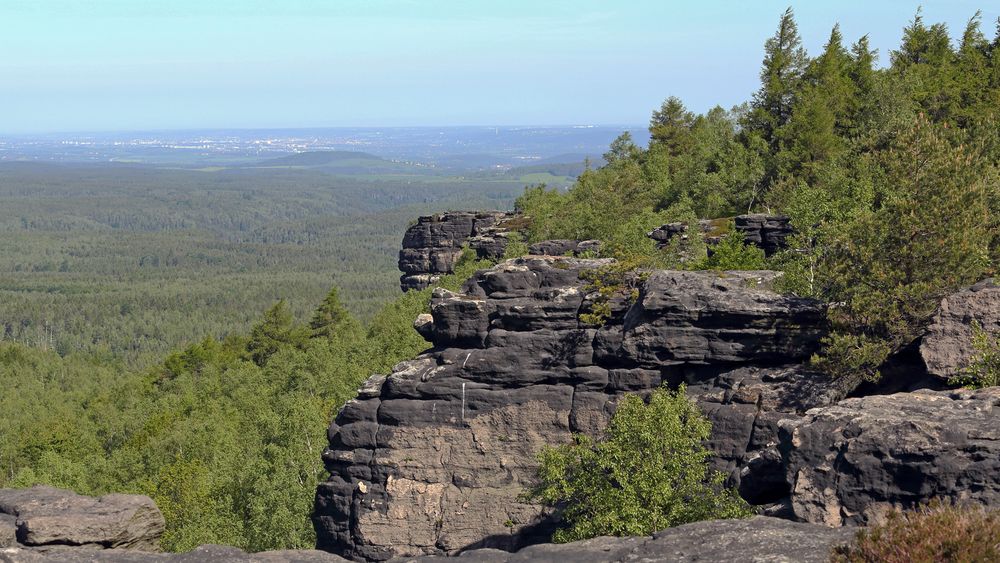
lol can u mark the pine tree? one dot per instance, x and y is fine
(924, 60)
(785, 61)
(671, 125)
(890, 267)
(329, 316)
(275, 331)
(972, 75)
(861, 106)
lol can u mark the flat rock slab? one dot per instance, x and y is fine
(50, 516)
(756, 539)
(214, 553)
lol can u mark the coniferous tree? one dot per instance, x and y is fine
(925, 60)
(785, 61)
(861, 106)
(329, 316)
(275, 331)
(890, 267)
(670, 127)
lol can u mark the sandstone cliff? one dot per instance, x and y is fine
(433, 457)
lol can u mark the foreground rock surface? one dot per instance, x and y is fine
(756, 539)
(219, 553)
(45, 516)
(850, 463)
(947, 347)
(432, 458)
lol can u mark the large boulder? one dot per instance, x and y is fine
(48, 516)
(756, 539)
(947, 347)
(850, 463)
(433, 458)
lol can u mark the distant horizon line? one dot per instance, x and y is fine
(319, 128)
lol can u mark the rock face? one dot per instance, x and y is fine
(947, 347)
(849, 463)
(432, 458)
(434, 244)
(769, 232)
(563, 247)
(45, 516)
(757, 539)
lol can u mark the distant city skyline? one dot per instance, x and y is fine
(121, 65)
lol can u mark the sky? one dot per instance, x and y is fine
(121, 65)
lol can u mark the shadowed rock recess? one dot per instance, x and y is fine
(431, 459)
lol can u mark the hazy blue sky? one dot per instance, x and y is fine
(68, 65)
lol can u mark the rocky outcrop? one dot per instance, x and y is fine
(433, 245)
(432, 458)
(563, 247)
(947, 347)
(45, 516)
(201, 554)
(849, 463)
(756, 539)
(769, 232)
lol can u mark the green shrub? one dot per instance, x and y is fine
(649, 472)
(732, 253)
(930, 534)
(984, 369)
(618, 279)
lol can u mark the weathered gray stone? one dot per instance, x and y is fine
(8, 530)
(220, 553)
(850, 463)
(718, 541)
(564, 247)
(769, 232)
(47, 516)
(947, 347)
(433, 458)
(431, 247)
(707, 317)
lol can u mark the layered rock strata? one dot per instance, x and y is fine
(563, 247)
(719, 541)
(42, 517)
(851, 463)
(947, 348)
(433, 245)
(432, 459)
(768, 232)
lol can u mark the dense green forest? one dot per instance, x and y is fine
(136, 261)
(889, 175)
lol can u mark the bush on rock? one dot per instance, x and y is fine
(649, 472)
